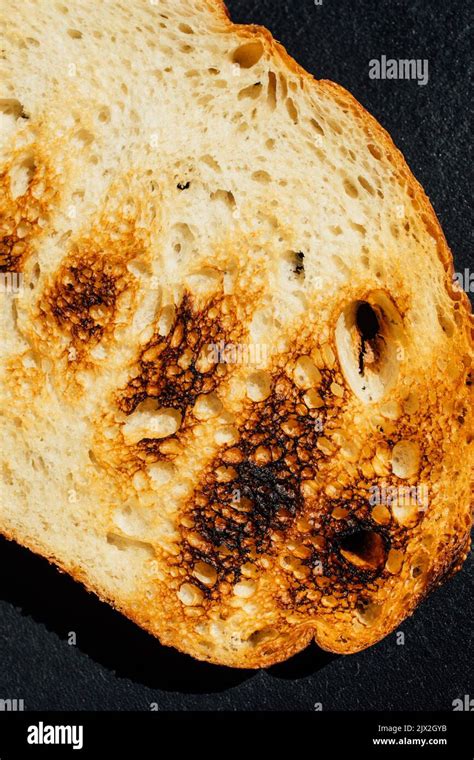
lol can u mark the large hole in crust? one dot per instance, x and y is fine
(369, 335)
(364, 549)
(248, 55)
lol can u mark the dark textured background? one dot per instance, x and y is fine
(116, 666)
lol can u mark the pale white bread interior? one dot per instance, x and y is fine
(170, 182)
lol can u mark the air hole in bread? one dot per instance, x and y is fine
(368, 612)
(181, 240)
(21, 176)
(340, 265)
(252, 91)
(75, 34)
(83, 138)
(317, 126)
(272, 90)
(420, 564)
(211, 162)
(359, 228)
(369, 333)
(123, 543)
(93, 459)
(261, 176)
(366, 185)
(376, 153)
(12, 107)
(262, 636)
(104, 115)
(283, 86)
(350, 189)
(292, 266)
(292, 110)
(248, 55)
(225, 196)
(365, 549)
(186, 29)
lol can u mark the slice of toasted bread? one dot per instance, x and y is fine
(235, 375)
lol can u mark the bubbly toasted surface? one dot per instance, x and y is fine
(236, 375)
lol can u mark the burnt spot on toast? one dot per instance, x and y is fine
(176, 368)
(252, 492)
(83, 297)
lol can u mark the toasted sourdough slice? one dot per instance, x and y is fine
(234, 370)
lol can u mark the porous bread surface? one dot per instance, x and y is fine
(172, 183)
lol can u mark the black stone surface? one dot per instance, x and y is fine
(115, 665)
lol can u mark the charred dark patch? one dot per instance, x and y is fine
(252, 491)
(168, 370)
(260, 500)
(11, 253)
(83, 298)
